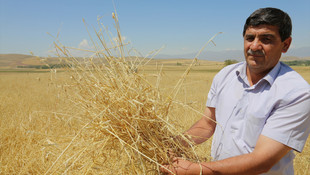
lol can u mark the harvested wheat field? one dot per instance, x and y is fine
(49, 128)
(41, 130)
(110, 113)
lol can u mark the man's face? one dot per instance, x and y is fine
(263, 48)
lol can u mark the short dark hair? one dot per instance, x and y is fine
(271, 16)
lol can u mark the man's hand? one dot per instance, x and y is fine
(181, 166)
(265, 155)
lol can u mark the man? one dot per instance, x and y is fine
(261, 107)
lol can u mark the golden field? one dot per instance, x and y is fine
(40, 126)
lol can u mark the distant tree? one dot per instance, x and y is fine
(229, 62)
(298, 63)
(49, 66)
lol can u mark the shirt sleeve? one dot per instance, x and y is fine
(290, 120)
(218, 81)
(211, 100)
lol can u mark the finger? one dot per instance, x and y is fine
(175, 159)
(167, 169)
(163, 169)
(171, 154)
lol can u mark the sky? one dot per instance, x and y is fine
(176, 26)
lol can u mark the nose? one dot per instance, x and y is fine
(256, 45)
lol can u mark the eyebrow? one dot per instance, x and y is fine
(261, 35)
(268, 35)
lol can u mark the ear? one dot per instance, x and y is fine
(286, 44)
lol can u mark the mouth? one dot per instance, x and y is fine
(258, 53)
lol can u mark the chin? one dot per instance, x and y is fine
(251, 62)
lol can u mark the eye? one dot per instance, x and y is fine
(249, 38)
(266, 40)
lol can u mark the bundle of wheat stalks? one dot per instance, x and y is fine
(128, 128)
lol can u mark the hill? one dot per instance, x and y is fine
(292, 55)
(292, 58)
(13, 61)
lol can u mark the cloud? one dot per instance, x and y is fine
(77, 52)
(83, 47)
(116, 39)
(81, 50)
(84, 44)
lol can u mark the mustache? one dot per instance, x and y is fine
(258, 52)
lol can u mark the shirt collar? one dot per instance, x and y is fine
(270, 77)
(241, 72)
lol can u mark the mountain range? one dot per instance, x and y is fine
(302, 53)
(15, 60)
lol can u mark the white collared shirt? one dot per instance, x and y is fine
(278, 106)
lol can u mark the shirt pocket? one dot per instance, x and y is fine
(252, 130)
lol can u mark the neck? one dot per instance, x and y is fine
(254, 77)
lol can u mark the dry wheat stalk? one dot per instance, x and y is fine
(128, 116)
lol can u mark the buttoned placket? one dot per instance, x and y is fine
(236, 118)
